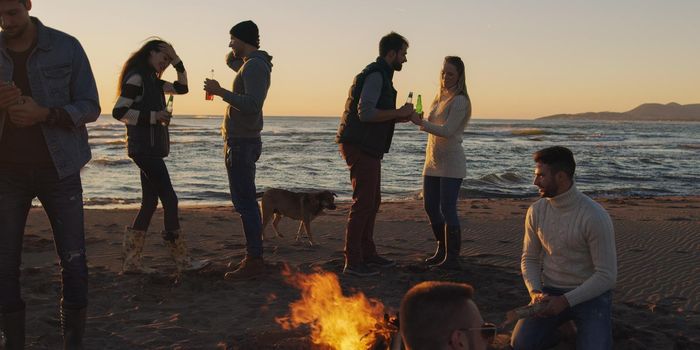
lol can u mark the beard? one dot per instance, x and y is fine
(548, 192)
(12, 33)
(397, 65)
(15, 31)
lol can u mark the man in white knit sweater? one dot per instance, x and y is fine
(569, 261)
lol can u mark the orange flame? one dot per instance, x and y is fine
(338, 321)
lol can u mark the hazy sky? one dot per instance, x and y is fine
(524, 58)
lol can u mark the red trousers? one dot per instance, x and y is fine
(365, 175)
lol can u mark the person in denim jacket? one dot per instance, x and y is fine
(47, 95)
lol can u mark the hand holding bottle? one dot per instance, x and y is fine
(406, 111)
(163, 117)
(417, 118)
(169, 110)
(212, 87)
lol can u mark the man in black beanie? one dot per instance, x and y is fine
(241, 131)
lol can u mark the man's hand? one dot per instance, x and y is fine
(27, 113)
(405, 111)
(9, 95)
(234, 62)
(554, 305)
(213, 87)
(536, 296)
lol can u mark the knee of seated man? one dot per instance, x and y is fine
(527, 338)
(519, 343)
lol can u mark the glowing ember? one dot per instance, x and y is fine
(338, 321)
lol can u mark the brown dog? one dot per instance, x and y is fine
(304, 206)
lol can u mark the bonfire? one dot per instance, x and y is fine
(336, 321)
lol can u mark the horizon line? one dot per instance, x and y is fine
(211, 116)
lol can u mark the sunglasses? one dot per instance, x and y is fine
(487, 330)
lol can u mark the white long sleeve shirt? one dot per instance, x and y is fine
(444, 155)
(569, 243)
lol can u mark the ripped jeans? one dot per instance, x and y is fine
(62, 200)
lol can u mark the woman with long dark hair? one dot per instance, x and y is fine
(141, 107)
(445, 164)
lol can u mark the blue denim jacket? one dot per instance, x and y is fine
(60, 77)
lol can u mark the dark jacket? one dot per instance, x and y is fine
(372, 138)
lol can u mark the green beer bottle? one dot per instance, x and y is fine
(419, 105)
(169, 105)
(169, 109)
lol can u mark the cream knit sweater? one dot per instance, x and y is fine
(570, 244)
(444, 155)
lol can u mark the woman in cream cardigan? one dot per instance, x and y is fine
(445, 164)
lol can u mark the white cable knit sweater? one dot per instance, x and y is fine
(444, 155)
(570, 244)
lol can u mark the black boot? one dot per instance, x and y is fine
(439, 232)
(453, 239)
(73, 326)
(12, 326)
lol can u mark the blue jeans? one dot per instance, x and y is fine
(62, 200)
(593, 319)
(241, 155)
(440, 196)
(155, 183)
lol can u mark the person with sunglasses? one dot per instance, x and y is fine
(442, 315)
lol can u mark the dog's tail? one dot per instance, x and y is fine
(259, 195)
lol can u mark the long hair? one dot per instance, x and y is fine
(461, 88)
(138, 61)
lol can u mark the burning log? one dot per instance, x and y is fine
(337, 321)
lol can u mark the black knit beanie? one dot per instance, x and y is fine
(247, 31)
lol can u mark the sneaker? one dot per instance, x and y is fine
(360, 270)
(378, 261)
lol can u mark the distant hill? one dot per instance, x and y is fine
(648, 111)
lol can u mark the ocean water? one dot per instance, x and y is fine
(299, 153)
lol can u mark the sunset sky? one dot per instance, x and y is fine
(524, 58)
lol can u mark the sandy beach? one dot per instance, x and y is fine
(657, 299)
